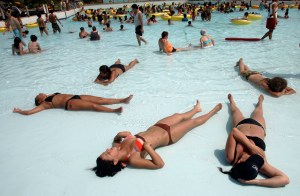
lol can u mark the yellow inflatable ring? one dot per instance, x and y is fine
(156, 14)
(166, 11)
(179, 17)
(254, 16)
(88, 11)
(3, 29)
(165, 17)
(255, 6)
(240, 22)
(32, 25)
(119, 15)
(74, 19)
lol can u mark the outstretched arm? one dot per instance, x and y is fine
(276, 177)
(289, 91)
(29, 112)
(156, 161)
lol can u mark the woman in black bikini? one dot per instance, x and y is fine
(108, 74)
(73, 102)
(128, 149)
(245, 149)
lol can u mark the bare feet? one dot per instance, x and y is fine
(127, 100)
(239, 61)
(197, 107)
(218, 107)
(136, 60)
(261, 98)
(230, 98)
(119, 110)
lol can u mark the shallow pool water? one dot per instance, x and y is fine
(49, 153)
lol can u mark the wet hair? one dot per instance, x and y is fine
(26, 32)
(36, 101)
(164, 34)
(202, 32)
(105, 70)
(33, 38)
(107, 25)
(184, 15)
(51, 11)
(277, 84)
(17, 42)
(107, 168)
(246, 14)
(81, 28)
(189, 22)
(134, 6)
(94, 28)
(38, 15)
(122, 26)
(247, 170)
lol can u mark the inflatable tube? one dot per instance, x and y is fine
(179, 17)
(254, 16)
(242, 39)
(166, 11)
(32, 25)
(119, 15)
(255, 6)
(165, 17)
(157, 14)
(74, 19)
(3, 29)
(240, 22)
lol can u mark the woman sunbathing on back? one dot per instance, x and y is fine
(276, 86)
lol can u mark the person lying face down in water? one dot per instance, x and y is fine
(245, 148)
(128, 149)
(276, 86)
(108, 74)
(74, 103)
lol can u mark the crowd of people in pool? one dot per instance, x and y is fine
(245, 144)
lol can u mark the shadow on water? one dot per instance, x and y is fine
(271, 75)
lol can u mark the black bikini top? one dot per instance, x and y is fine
(258, 142)
(49, 98)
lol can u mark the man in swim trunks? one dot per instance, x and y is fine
(138, 22)
(53, 19)
(166, 46)
(276, 86)
(271, 20)
(83, 33)
(74, 103)
(108, 74)
(15, 25)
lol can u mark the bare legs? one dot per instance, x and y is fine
(269, 33)
(237, 115)
(180, 124)
(93, 103)
(242, 66)
(257, 114)
(139, 39)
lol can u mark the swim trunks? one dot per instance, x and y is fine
(247, 74)
(74, 97)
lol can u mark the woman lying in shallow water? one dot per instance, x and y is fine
(245, 148)
(73, 102)
(108, 74)
(276, 86)
(128, 149)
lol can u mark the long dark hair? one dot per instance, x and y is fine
(105, 70)
(17, 42)
(107, 168)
